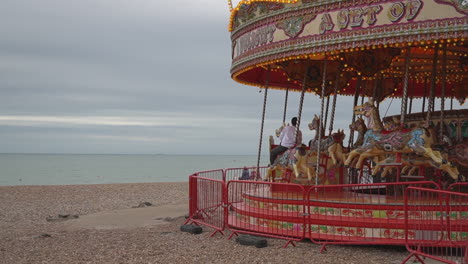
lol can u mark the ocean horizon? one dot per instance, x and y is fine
(68, 169)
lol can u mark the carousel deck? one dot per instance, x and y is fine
(344, 215)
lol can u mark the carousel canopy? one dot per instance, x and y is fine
(369, 46)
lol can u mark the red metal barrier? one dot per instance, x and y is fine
(247, 173)
(458, 187)
(436, 225)
(207, 204)
(358, 213)
(267, 209)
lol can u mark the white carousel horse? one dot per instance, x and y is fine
(379, 142)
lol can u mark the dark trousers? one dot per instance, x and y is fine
(275, 152)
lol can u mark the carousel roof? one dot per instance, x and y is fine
(368, 45)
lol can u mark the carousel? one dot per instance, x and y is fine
(354, 191)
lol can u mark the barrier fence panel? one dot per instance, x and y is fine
(436, 225)
(267, 209)
(458, 187)
(212, 174)
(358, 213)
(207, 203)
(246, 173)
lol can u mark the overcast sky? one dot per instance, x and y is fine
(131, 76)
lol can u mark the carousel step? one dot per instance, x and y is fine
(412, 176)
(392, 164)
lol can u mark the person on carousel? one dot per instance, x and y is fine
(287, 140)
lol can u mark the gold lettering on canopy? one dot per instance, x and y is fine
(254, 39)
(326, 24)
(367, 16)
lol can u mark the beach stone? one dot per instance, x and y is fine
(143, 204)
(43, 236)
(193, 229)
(62, 217)
(247, 240)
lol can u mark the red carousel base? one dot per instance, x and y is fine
(344, 214)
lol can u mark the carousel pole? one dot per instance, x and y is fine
(326, 112)
(332, 114)
(442, 92)
(263, 120)
(285, 105)
(430, 101)
(405, 87)
(356, 98)
(411, 99)
(324, 83)
(424, 97)
(301, 103)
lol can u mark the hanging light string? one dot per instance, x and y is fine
(324, 82)
(263, 120)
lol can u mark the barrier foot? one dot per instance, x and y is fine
(323, 248)
(216, 231)
(232, 234)
(188, 220)
(416, 258)
(289, 242)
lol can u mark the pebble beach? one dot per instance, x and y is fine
(64, 224)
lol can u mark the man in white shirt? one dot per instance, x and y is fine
(287, 140)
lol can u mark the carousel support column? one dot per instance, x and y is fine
(285, 105)
(430, 100)
(442, 93)
(324, 83)
(263, 121)
(404, 97)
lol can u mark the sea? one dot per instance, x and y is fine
(65, 169)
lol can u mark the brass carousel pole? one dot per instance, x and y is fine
(404, 102)
(430, 100)
(299, 116)
(263, 121)
(442, 92)
(324, 83)
(285, 105)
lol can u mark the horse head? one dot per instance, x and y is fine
(278, 131)
(315, 124)
(365, 109)
(358, 125)
(339, 136)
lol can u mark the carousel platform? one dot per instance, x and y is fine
(345, 215)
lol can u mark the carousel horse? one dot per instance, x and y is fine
(360, 126)
(330, 145)
(379, 142)
(412, 162)
(291, 159)
(333, 148)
